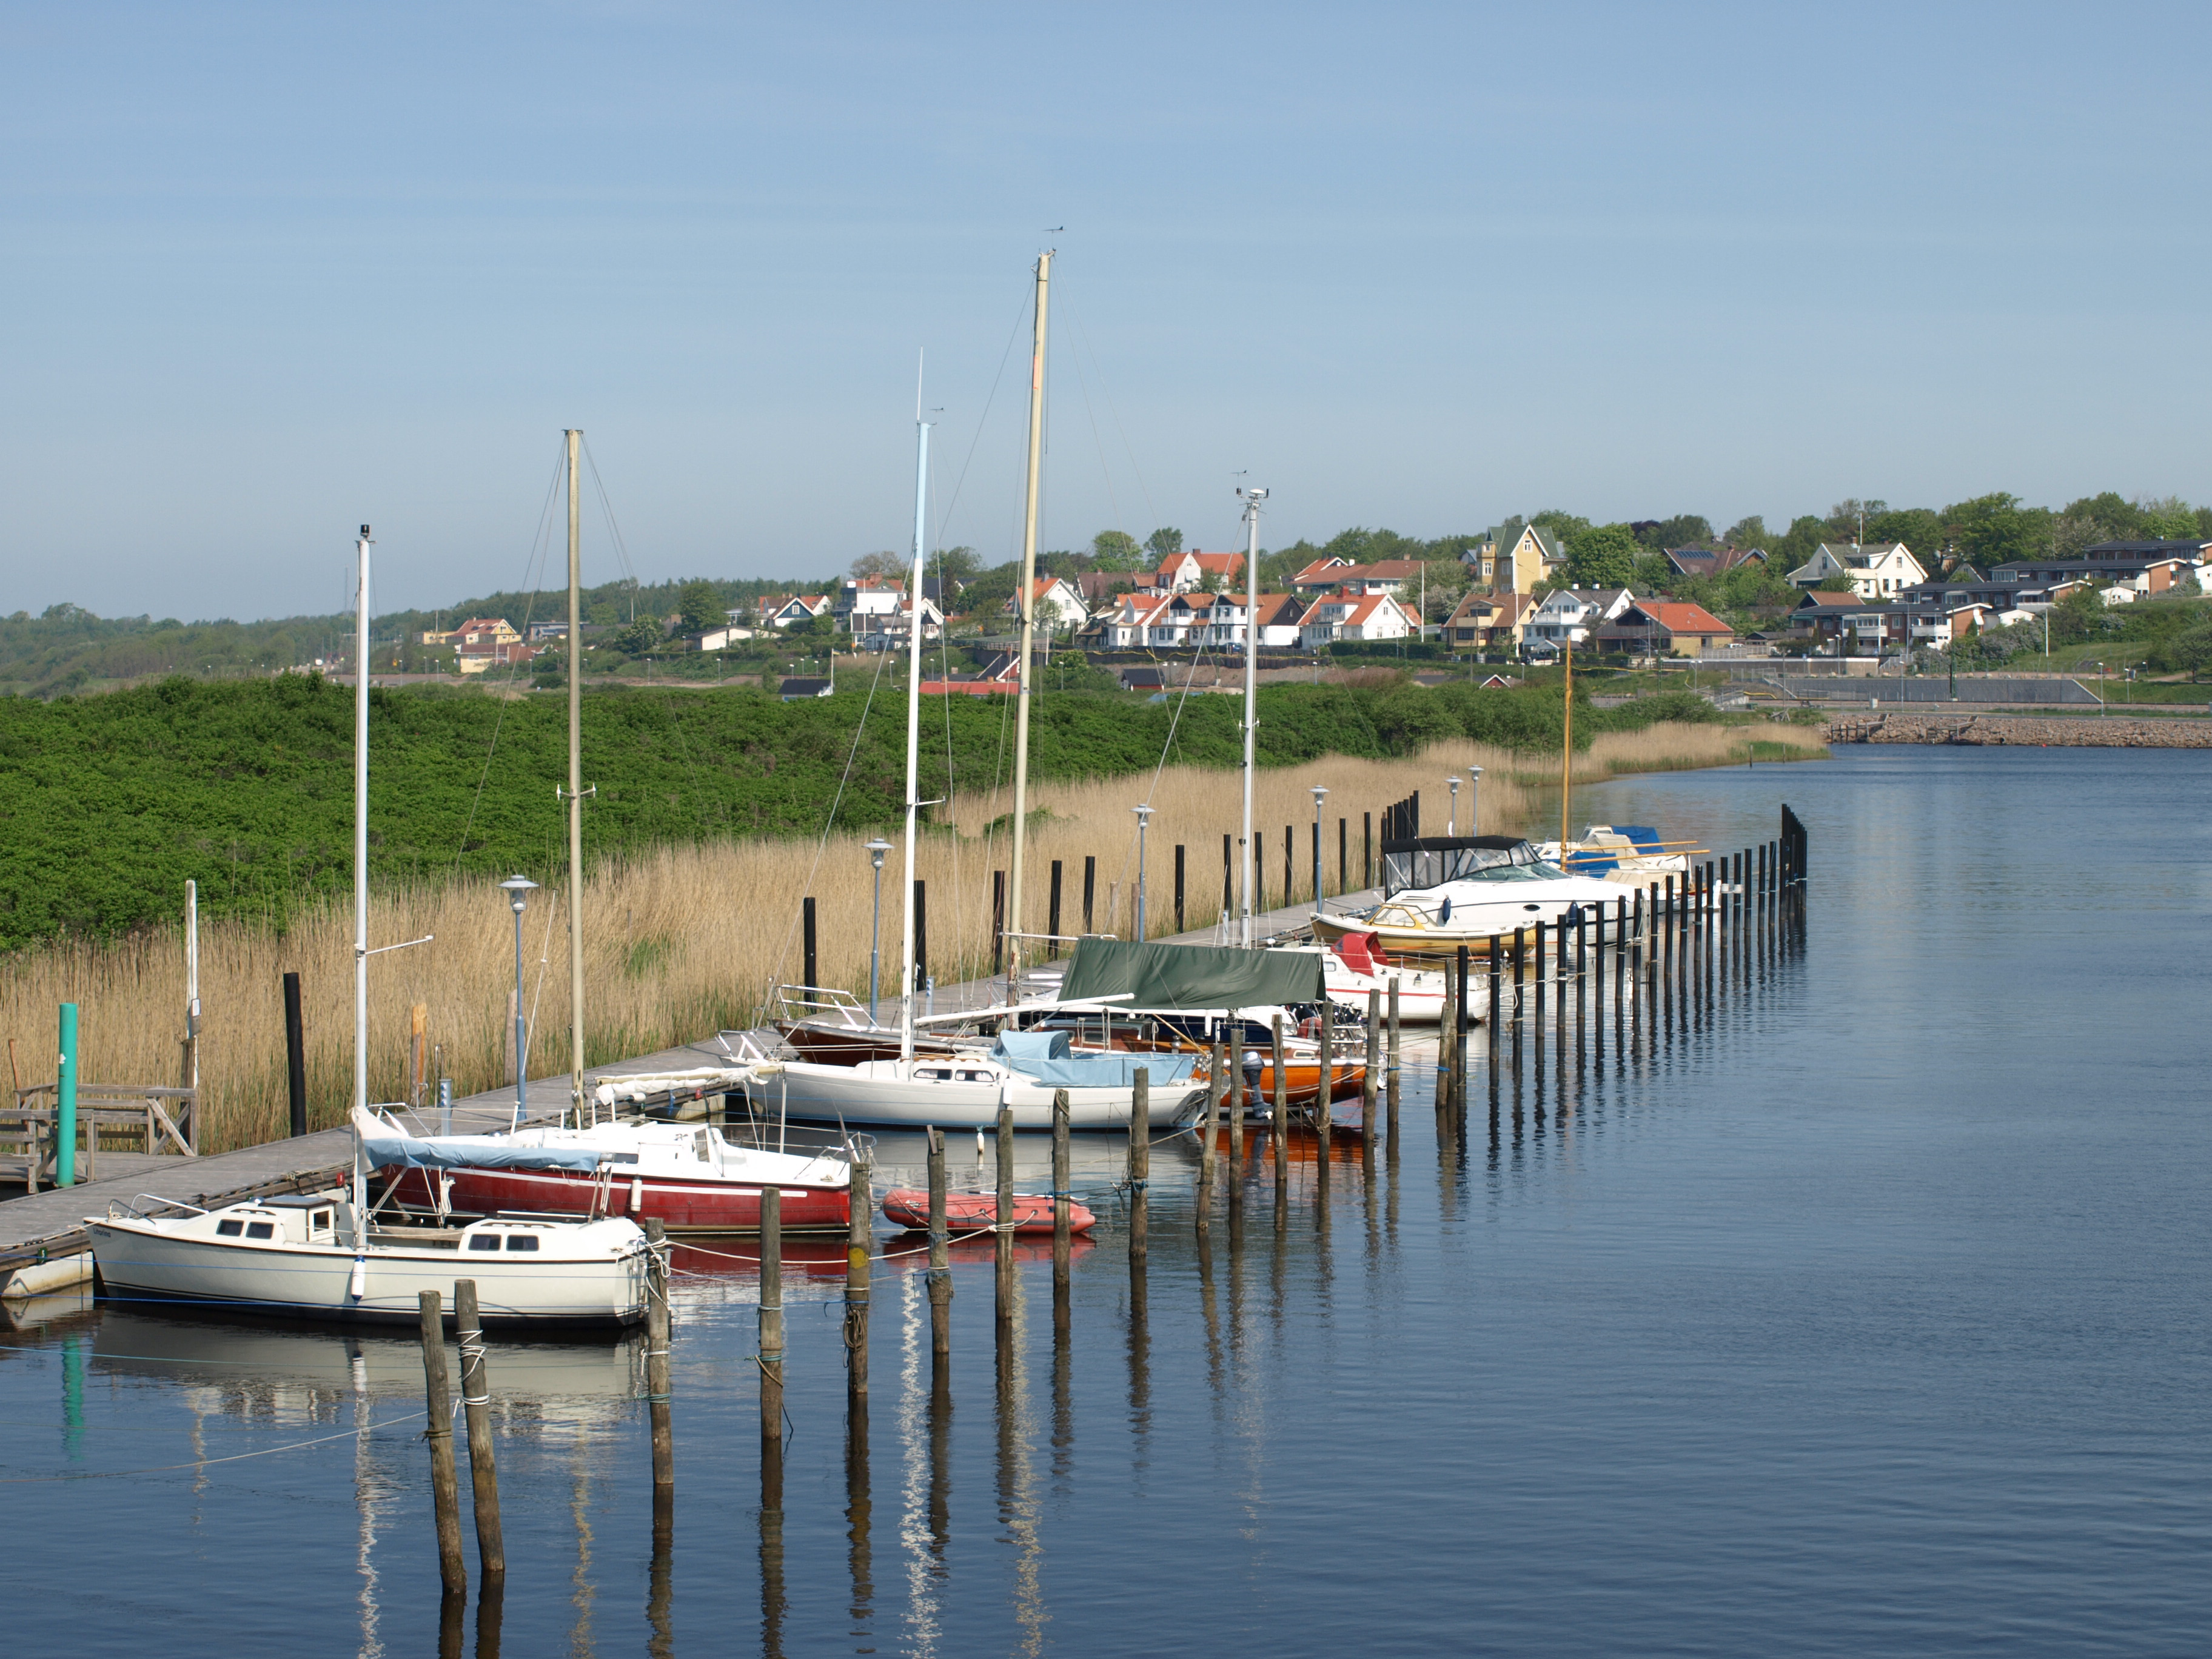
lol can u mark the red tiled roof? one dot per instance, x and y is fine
(1680, 616)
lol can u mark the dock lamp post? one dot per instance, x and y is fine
(517, 888)
(1318, 792)
(1451, 821)
(877, 848)
(1144, 819)
(1473, 800)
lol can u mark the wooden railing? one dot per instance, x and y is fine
(110, 1115)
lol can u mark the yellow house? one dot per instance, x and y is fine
(1517, 566)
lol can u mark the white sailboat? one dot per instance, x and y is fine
(966, 1088)
(321, 1255)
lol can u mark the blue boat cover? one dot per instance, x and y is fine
(388, 1147)
(1046, 1058)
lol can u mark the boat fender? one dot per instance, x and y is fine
(636, 1194)
(357, 1283)
(1444, 913)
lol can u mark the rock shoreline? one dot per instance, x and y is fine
(2021, 731)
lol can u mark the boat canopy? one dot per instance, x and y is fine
(1047, 1058)
(1195, 977)
(1432, 860)
(384, 1145)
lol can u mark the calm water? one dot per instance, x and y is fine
(1866, 1317)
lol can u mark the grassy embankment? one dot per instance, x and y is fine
(689, 922)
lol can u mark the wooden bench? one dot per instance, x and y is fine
(113, 1114)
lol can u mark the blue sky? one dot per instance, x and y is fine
(275, 270)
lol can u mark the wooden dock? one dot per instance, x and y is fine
(50, 1224)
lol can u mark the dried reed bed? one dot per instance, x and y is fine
(690, 939)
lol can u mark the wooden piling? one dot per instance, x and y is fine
(475, 1410)
(1052, 906)
(1239, 1104)
(445, 1488)
(1089, 890)
(1448, 1027)
(1216, 1081)
(1281, 1118)
(1061, 1236)
(1328, 1078)
(1390, 1092)
(1004, 1237)
(295, 1055)
(1368, 1089)
(940, 1257)
(1178, 890)
(771, 1321)
(1459, 1034)
(656, 1360)
(1140, 1165)
(859, 1237)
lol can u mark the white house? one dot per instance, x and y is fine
(1057, 603)
(1570, 615)
(1384, 576)
(789, 609)
(890, 633)
(1181, 573)
(863, 601)
(1879, 570)
(1353, 616)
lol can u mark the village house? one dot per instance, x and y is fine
(1344, 619)
(1182, 573)
(862, 602)
(1711, 561)
(1879, 570)
(790, 610)
(1571, 616)
(1487, 622)
(890, 631)
(1056, 603)
(2146, 567)
(1655, 627)
(1520, 564)
(1342, 576)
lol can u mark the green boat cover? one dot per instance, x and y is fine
(1189, 977)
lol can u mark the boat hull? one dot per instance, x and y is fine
(908, 1207)
(141, 1261)
(680, 1205)
(861, 1094)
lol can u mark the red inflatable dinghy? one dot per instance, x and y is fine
(908, 1206)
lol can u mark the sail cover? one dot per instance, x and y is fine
(1194, 977)
(385, 1147)
(1045, 1057)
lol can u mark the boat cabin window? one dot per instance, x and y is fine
(934, 1074)
(229, 1229)
(484, 1240)
(974, 1077)
(702, 1143)
(262, 1230)
(522, 1241)
(320, 1221)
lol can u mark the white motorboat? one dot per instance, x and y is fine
(1482, 899)
(1353, 967)
(312, 1257)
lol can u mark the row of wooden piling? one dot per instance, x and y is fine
(1659, 936)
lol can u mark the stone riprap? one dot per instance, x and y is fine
(2022, 731)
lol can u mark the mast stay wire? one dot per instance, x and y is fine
(1082, 343)
(534, 563)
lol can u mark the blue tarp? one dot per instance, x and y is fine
(388, 1147)
(1045, 1057)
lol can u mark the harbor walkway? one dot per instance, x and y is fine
(52, 1220)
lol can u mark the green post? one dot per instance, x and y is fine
(65, 1102)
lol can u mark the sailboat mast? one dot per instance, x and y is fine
(1252, 499)
(1014, 940)
(1567, 754)
(360, 850)
(575, 789)
(913, 724)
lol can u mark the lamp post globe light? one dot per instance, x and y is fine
(1451, 821)
(1474, 799)
(1319, 792)
(877, 848)
(1144, 820)
(518, 890)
